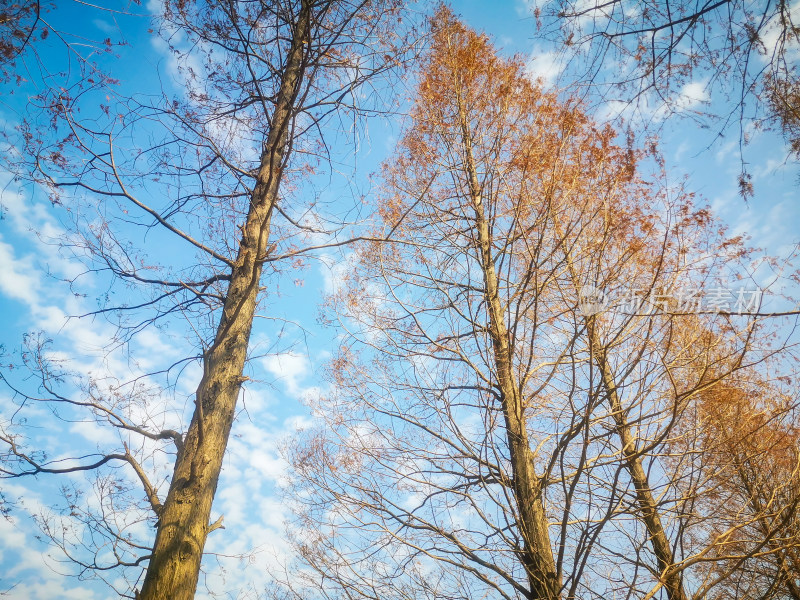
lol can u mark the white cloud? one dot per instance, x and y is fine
(253, 542)
(693, 95)
(290, 368)
(105, 26)
(333, 269)
(19, 279)
(26, 564)
(184, 67)
(650, 109)
(94, 432)
(725, 152)
(611, 110)
(544, 66)
(770, 36)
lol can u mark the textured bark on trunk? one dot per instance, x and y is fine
(648, 509)
(183, 525)
(536, 554)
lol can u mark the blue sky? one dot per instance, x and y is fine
(291, 353)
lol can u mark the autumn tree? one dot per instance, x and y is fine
(215, 174)
(488, 432)
(744, 430)
(783, 93)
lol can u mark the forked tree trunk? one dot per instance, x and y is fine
(183, 525)
(648, 509)
(536, 554)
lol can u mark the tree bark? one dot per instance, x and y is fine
(183, 525)
(536, 554)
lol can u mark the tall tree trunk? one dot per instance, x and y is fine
(183, 524)
(536, 555)
(648, 509)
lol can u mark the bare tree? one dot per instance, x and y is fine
(31, 28)
(214, 174)
(18, 24)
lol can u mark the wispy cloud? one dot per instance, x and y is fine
(544, 66)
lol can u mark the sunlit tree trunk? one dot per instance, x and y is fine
(647, 506)
(184, 522)
(537, 554)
